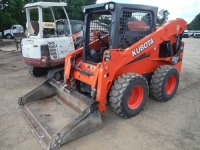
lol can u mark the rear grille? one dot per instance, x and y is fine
(134, 25)
(52, 50)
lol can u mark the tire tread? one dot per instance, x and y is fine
(115, 96)
(157, 81)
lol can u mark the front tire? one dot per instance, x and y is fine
(56, 73)
(8, 36)
(128, 95)
(164, 83)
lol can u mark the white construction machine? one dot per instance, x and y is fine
(49, 39)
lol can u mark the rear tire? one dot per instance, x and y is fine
(128, 95)
(37, 71)
(164, 83)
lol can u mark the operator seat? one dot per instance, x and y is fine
(35, 26)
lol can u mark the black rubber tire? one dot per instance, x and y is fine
(56, 73)
(159, 80)
(37, 71)
(8, 36)
(121, 90)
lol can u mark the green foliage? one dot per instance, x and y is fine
(13, 13)
(162, 17)
(195, 24)
(74, 8)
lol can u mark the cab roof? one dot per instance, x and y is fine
(45, 4)
(120, 6)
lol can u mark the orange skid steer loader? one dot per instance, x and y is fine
(123, 65)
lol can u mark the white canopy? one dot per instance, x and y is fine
(45, 4)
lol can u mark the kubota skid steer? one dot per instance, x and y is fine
(119, 66)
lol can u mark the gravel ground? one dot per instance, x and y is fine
(171, 125)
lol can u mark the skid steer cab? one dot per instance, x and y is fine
(128, 59)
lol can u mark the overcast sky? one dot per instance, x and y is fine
(186, 9)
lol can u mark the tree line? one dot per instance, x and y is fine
(12, 12)
(195, 24)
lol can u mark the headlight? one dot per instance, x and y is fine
(110, 6)
(107, 56)
(83, 10)
(106, 6)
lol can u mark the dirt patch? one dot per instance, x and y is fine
(171, 125)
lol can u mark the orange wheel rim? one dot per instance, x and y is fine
(136, 96)
(170, 84)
